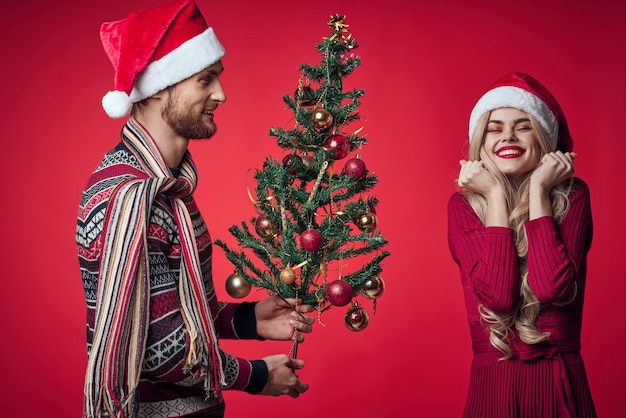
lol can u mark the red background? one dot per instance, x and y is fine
(424, 65)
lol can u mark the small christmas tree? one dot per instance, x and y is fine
(311, 216)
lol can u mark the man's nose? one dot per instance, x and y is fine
(218, 94)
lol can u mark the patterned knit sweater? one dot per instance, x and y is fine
(164, 389)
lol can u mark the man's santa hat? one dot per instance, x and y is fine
(523, 92)
(154, 49)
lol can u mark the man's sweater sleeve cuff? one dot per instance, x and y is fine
(258, 377)
(244, 322)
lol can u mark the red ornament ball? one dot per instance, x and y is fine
(290, 162)
(356, 319)
(304, 96)
(346, 58)
(337, 145)
(311, 240)
(339, 293)
(355, 168)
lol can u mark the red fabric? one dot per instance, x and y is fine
(528, 83)
(489, 270)
(143, 37)
(523, 389)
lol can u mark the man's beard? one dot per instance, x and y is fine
(185, 124)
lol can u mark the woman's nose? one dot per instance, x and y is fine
(508, 135)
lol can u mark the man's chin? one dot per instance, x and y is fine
(203, 137)
(203, 133)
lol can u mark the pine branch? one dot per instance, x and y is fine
(373, 268)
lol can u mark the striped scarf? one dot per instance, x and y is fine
(123, 293)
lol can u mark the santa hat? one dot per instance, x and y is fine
(154, 49)
(523, 92)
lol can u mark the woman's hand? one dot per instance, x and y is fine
(475, 177)
(555, 168)
(278, 318)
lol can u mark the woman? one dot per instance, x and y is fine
(519, 230)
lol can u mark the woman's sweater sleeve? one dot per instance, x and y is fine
(486, 256)
(557, 251)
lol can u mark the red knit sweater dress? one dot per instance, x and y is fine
(540, 380)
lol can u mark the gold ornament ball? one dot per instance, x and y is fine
(309, 162)
(287, 275)
(322, 119)
(374, 287)
(237, 287)
(366, 222)
(356, 319)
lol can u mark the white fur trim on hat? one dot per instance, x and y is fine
(509, 96)
(191, 57)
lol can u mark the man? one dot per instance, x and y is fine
(153, 320)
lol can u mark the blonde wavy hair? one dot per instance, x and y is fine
(522, 318)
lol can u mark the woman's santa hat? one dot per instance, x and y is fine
(523, 92)
(154, 49)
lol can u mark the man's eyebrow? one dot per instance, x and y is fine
(215, 70)
(211, 71)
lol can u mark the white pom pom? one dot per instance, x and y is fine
(117, 104)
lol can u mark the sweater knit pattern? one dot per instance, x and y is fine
(164, 388)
